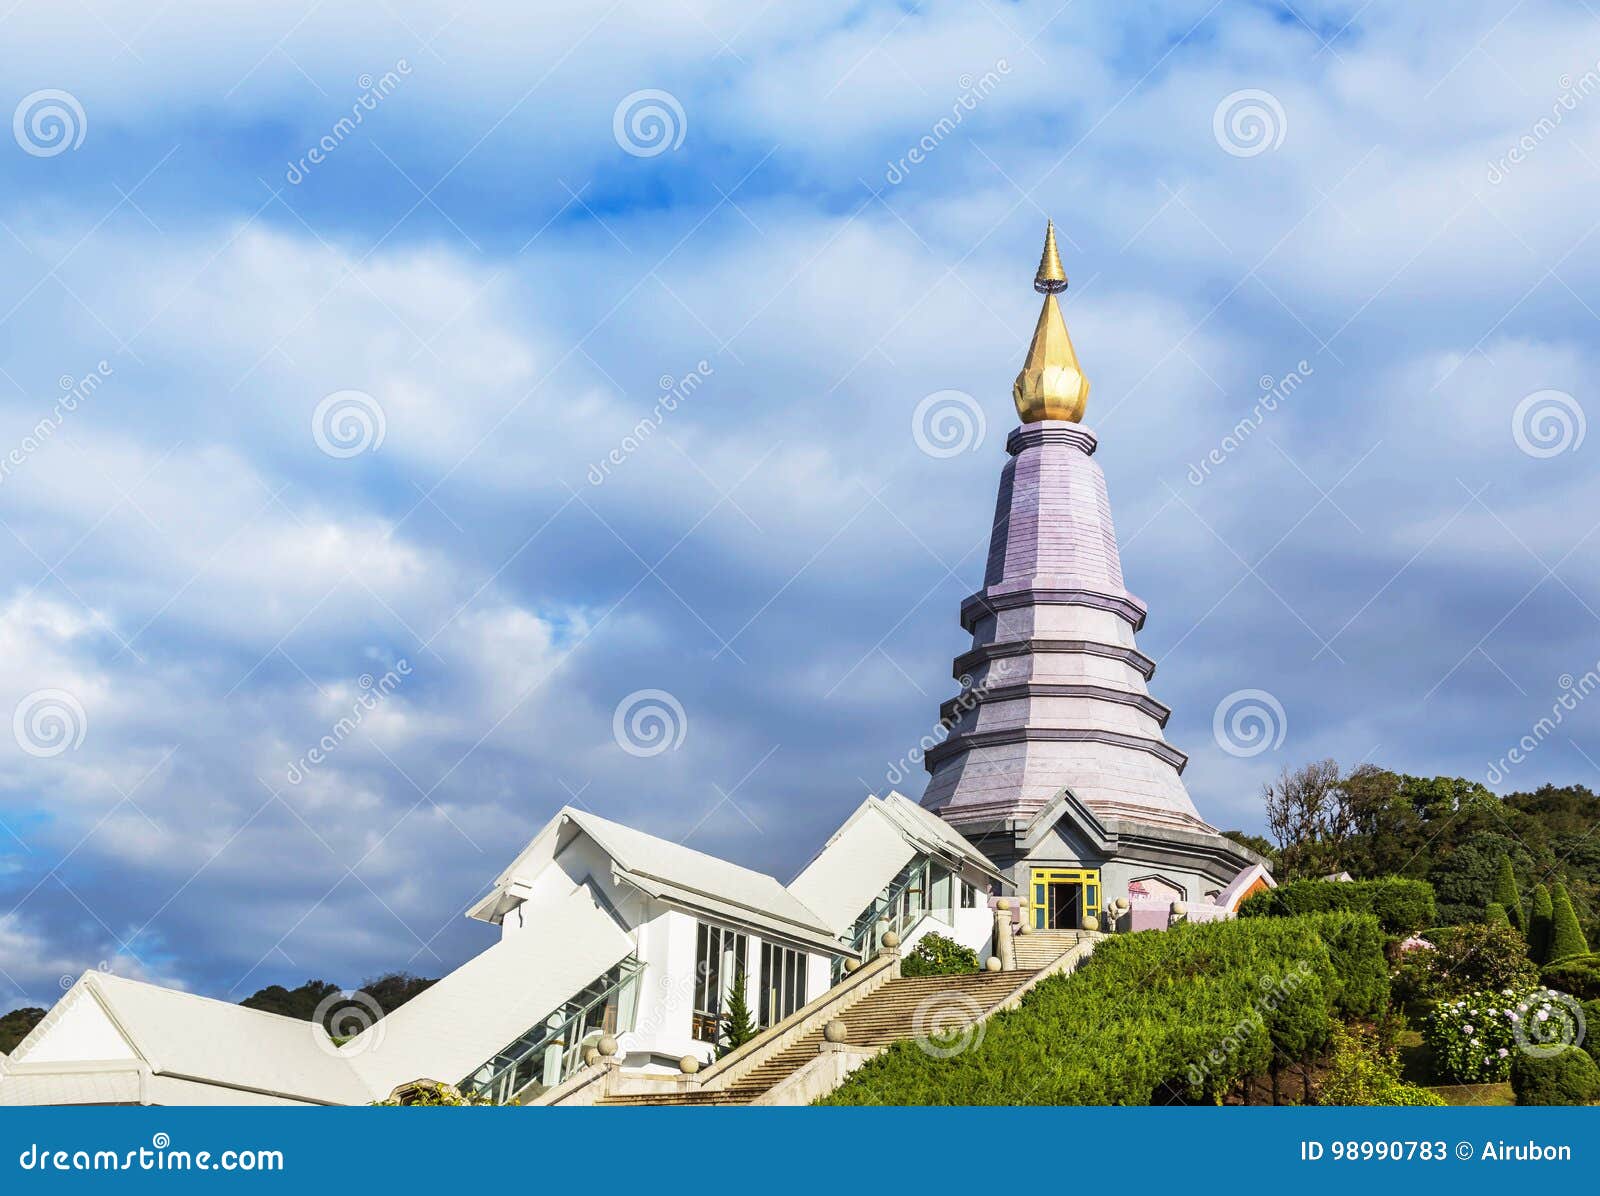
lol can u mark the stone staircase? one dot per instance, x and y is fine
(908, 1007)
(1040, 948)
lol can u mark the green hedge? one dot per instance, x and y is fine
(1565, 1077)
(1578, 977)
(1402, 906)
(1150, 1018)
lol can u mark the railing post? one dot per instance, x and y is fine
(1004, 949)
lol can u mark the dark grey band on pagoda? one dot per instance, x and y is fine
(976, 739)
(967, 661)
(976, 606)
(952, 707)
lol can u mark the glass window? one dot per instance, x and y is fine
(721, 959)
(783, 984)
(969, 896)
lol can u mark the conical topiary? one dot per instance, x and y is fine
(1505, 892)
(1567, 937)
(1495, 915)
(738, 1027)
(1541, 926)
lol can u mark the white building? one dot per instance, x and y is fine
(604, 930)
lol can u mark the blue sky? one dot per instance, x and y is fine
(1393, 213)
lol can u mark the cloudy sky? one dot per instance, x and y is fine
(324, 330)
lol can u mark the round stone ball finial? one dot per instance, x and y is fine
(590, 1056)
(1002, 904)
(606, 1045)
(851, 965)
(1179, 908)
(1091, 922)
(1120, 905)
(688, 1065)
(834, 1031)
(993, 964)
(891, 940)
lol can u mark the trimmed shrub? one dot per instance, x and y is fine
(1591, 1037)
(936, 955)
(1567, 937)
(1494, 914)
(1183, 1015)
(1579, 976)
(1567, 1077)
(1361, 1073)
(1360, 972)
(1401, 905)
(1506, 894)
(1541, 925)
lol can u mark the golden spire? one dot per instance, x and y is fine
(1050, 386)
(1051, 278)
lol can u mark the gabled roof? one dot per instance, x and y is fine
(671, 872)
(177, 1034)
(459, 1023)
(866, 853)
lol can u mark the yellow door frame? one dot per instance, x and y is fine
(1039, 889)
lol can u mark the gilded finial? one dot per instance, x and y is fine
(1051, 278)
(1051, 385)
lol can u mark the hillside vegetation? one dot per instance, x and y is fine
(1185, 1015)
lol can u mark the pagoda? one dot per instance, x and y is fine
(1055, 761)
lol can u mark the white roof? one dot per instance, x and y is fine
(452, 1028)
(181, 1035)
(865, 854)
(677, 874)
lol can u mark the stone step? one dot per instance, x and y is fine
(885, 1015)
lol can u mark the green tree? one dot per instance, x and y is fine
(937, 955)
(1495, 915)
(738, 1027)
(1541, 926)
(1505, 892)
(15, 1025)
(1567, 937)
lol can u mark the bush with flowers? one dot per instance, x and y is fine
(1473, 1038)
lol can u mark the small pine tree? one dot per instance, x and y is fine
(1495, 915)
(1567, 936)
(1541, 926)
(1505, 892)
(738, 1027)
